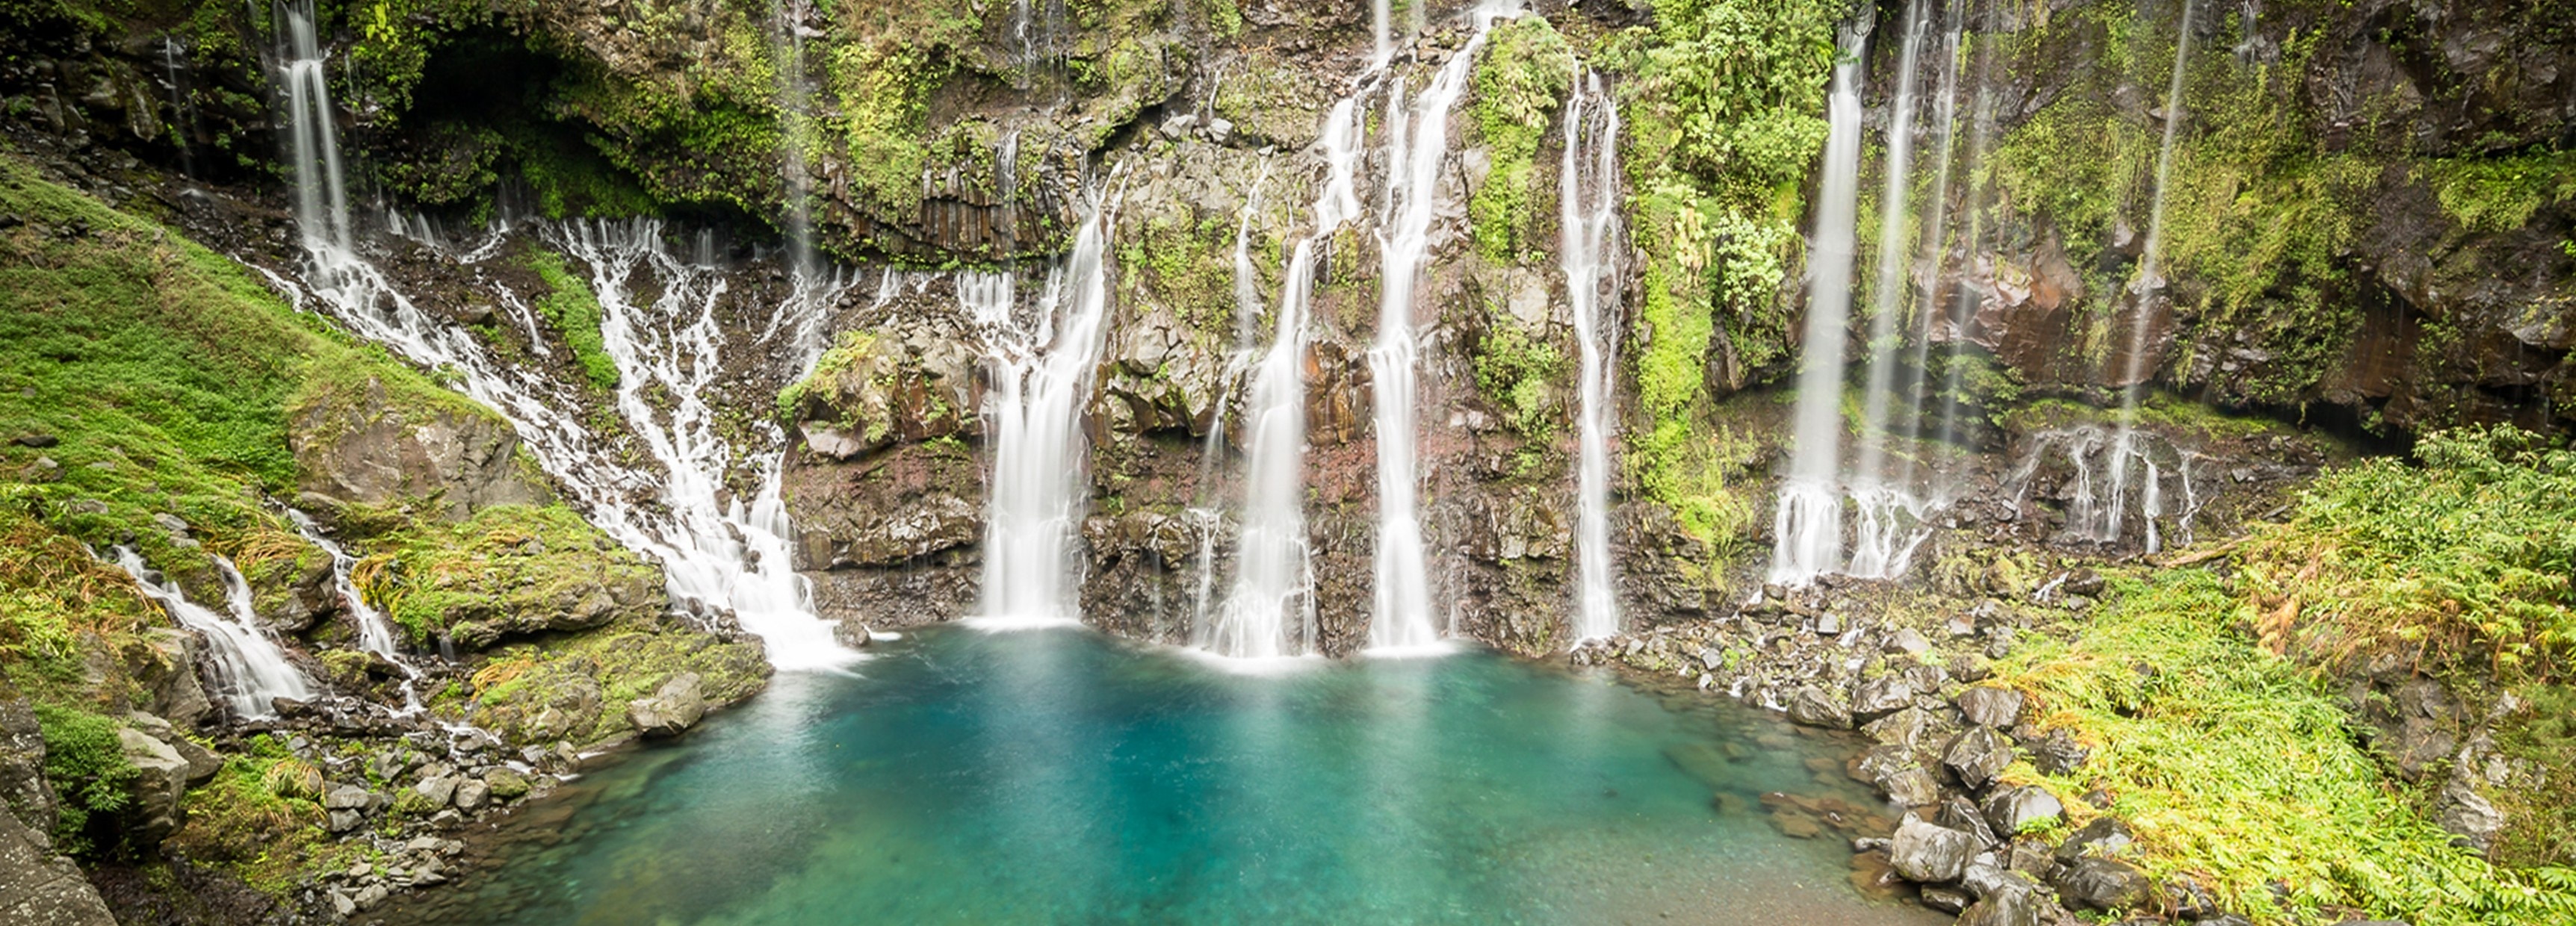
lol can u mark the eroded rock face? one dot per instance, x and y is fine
(23, 786)
(360, 447)
(40, 888)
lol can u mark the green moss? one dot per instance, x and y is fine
(574, 312)
(510, 569)
(259, 820)
(1722, 101)
(90, 774)
(1520, 84)
(577, 689)
(1518, 372)
(2496, 194)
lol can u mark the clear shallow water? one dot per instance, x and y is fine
(1060, 776)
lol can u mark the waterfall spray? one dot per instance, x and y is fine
(1587, 231)
(1807, 530)
(2142, 290)
(1935, 244)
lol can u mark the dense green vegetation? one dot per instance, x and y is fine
(574, 311)
(1724, 102)
(92, 778)
(2210, 700)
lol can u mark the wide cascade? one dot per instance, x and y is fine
(1041, 371)
(719, 552)
(1588, 218)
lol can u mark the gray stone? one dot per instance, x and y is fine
(1810, 705)
(439, 789)
(371, 895)
(23, 786)
(2104, 837)
(2466, 815)
(342, 904)
(40, 888)
(670, 711)
(2011, 810)
(506, 784)
(1945, 899)
(2058, 753)
(1989, 706)
(2104, 884)
(1908, 785)
(1882, 696)
(1220, 130)
(1906, 640)
(471, 794)
(2013, 900)
(1929, 854)
(347, 797)
(342, 821)
(156, 791)
(1979, 755)
(1956, 813)
(202, 762)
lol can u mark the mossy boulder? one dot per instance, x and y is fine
(910, 380)
(359, 440)
(510, 571)
(579, 689)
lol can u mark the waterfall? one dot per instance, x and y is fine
(1965, 299)
(2143, 288)
(797, 118)
(1935, 243)
(1417, 144)
(1807, 529)
(1270, 610)
(1587, 230)
(668, 353)
(375, 633)
(250, 669)
(716, 554)
(1041, 387)
(183, 117)
(1885, 510)
(321, 198)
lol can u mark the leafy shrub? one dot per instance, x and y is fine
(90, 774)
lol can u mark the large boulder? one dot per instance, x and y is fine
(373, 443)
(1989, 706)
(670, 711)
(1930, 854)
(39, 888)
(163, 778)
(2011, 810)
(167, 670)
(1881, 696)
(1810, 705)
(1979, 755)
(23, 786)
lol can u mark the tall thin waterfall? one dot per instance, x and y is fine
(1042, 378)
(1270, 611)
(1808, 526)
(2142, 290)
(668, 353)
(1417, 144)
(250, 669)
(1935, 241)
(796, 111)
(716, 554)
(321, 197)
(1886, 509)
(1964, 299)
(1587, 231)
(1380, 12)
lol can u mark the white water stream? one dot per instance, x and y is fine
(1270, 611)
(1042, 372)
(250, 669)
(1807, 529)
(719, 550)
(1588, 222)
(1886, 512)
(1417, 145)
